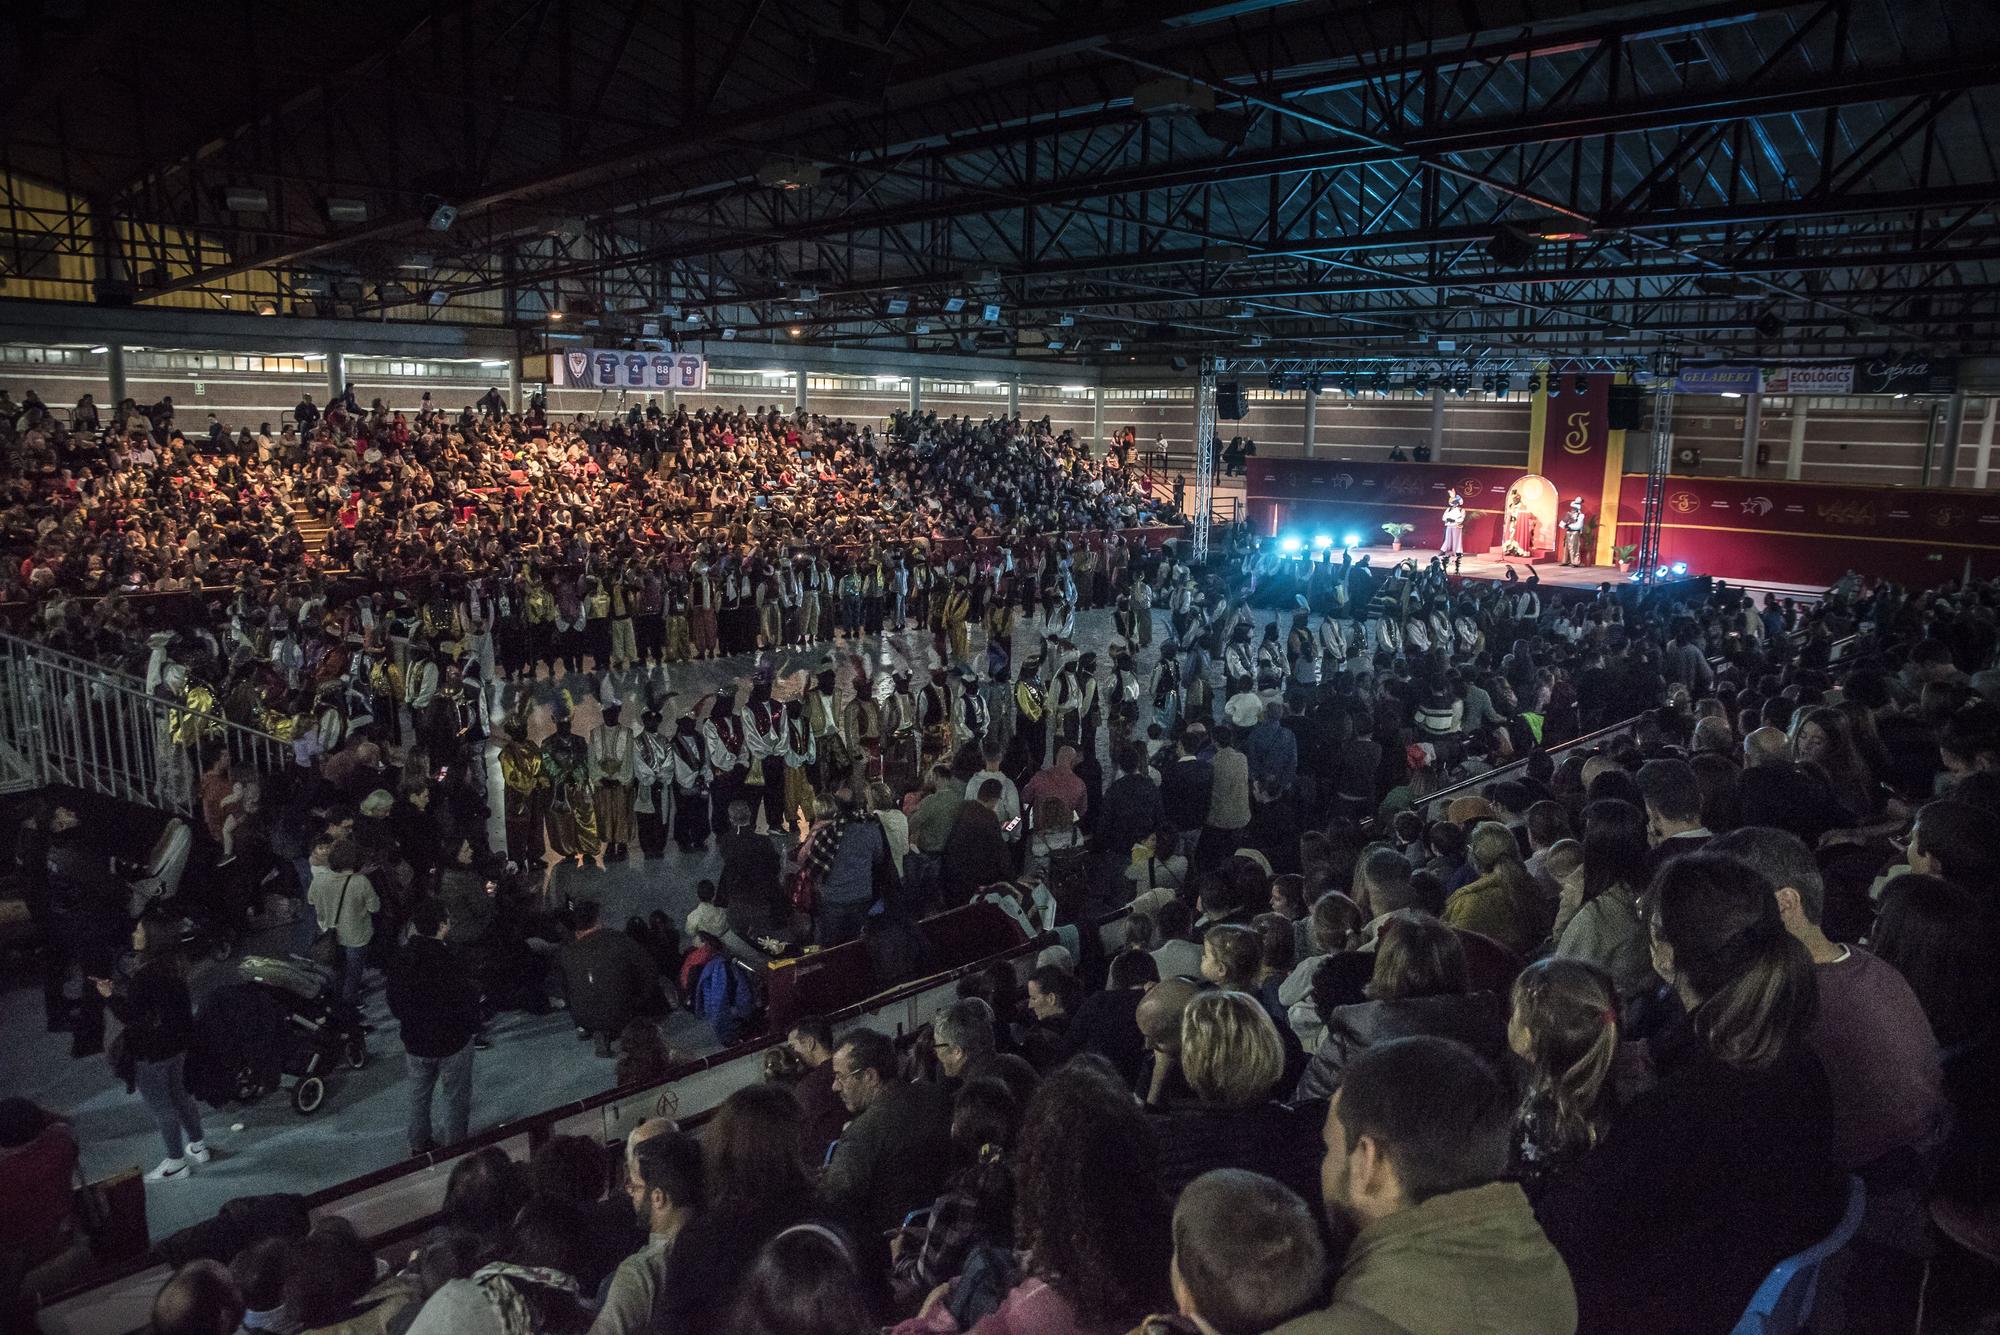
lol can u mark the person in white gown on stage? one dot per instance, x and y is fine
(1453, 547)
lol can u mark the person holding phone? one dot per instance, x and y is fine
(158, 1016)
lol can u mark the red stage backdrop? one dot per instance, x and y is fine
(1345, 496)
(1571, 444)
(1815, 532)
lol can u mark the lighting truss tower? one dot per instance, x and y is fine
(1204, 457)
(1652, 510)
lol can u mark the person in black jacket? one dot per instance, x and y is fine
(436, 1000)
(1726, 1166)
(159, 1028)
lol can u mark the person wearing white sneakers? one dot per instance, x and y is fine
(159, 1028)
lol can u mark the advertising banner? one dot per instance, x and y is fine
(622, 368)
(1906, 375)
(1818, 378)
(1697, 379)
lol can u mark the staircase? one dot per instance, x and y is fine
(314, 530)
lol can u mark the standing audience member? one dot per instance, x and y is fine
(159, 1029)
(436, 1003)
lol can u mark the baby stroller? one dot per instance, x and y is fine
(283, 1019)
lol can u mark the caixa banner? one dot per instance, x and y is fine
(617, 368)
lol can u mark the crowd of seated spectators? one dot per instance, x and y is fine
(1591, 1044)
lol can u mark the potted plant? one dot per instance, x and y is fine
(1396, 532)
(1623, 554)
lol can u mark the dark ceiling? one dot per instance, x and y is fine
(1482, 179)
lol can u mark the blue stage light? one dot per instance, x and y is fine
(1323, 541)
(1353, 540)
(1291, 544)
(1661, 573)
(1680, 568)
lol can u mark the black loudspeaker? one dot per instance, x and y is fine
(1626, 409)
(1229, 401)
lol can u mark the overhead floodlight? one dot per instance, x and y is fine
(1066, 321)
(922, 327)
(1114, 346)
(416, 261)
(246, 199)
(953, 305)
(898, 306)
(442, 215)
(990, 312)
(267, 308)
(1054, 345)
(728, 335)
(100, 350)
(803, 293)
(347, 210)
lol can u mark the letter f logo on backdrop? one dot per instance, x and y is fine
(1577, 439)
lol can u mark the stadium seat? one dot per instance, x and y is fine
(1784, 1301)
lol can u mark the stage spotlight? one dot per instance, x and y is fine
(1353, 540)
(1293, 544)
(1661, 573)
(1680, 568)
(1535, 383)
(1323, 541)
(1582, 385)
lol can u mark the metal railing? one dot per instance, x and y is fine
(69, 722)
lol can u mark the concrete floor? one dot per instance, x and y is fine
(535, 1062)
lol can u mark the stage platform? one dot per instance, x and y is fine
(1493, 569)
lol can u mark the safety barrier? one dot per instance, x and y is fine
(394, 1204)
(67, 721)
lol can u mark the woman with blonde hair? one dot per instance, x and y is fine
(1503, 902)
(1231, 1068)
(1565, 1027)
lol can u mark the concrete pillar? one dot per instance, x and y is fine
(336, 374)
(799, 391)
(1437, 425)
(1311, 438)
(515, 403)
(1983, 459)
(1954, 427)
(114, 375)
(1014, 398)
(1795, 456)
(916, 395)
(1097, 417)
(1753, 419)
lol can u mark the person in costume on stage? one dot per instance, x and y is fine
(614, 775)
(1573, 521)
(689, 770)
(652, 767)
(524, 791)
(571, 815)
(1453, 546)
